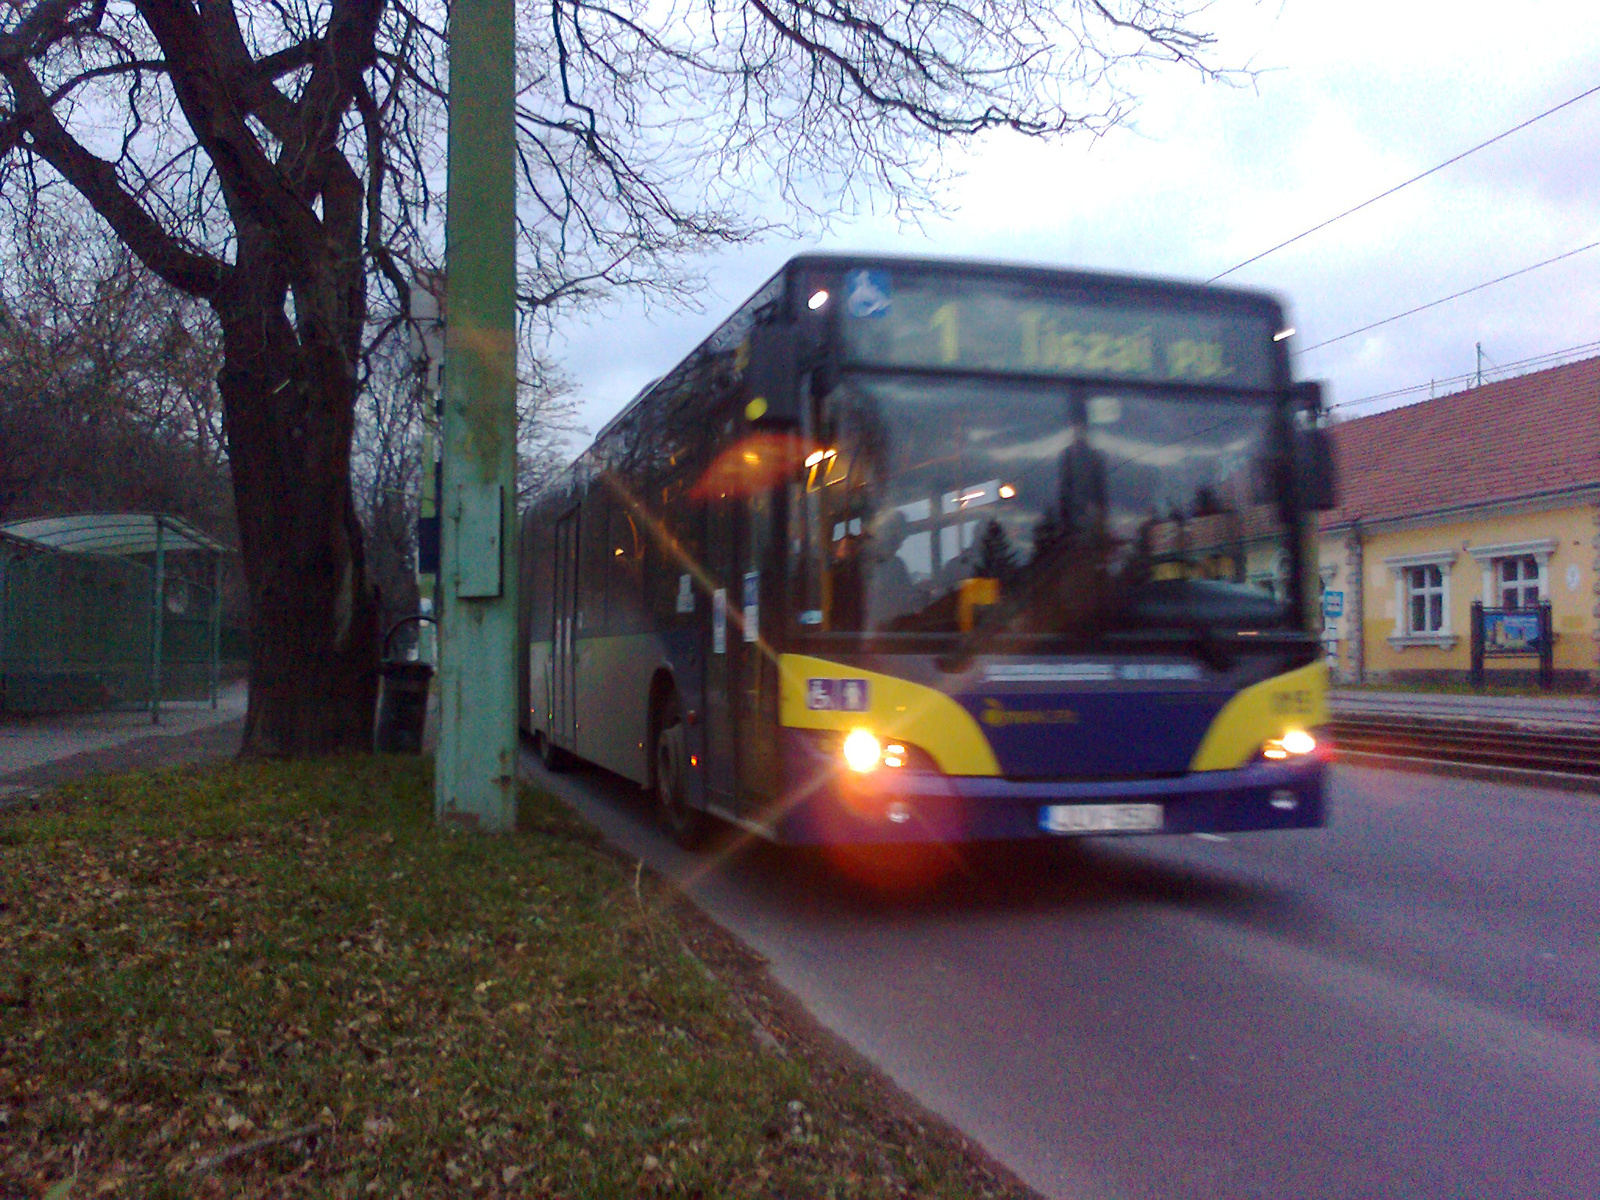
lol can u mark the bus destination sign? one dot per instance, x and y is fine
(932, 321)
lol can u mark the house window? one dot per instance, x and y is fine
(1276, 584)
(1425, 600)
(1422, 599)
(1519, 581)
(1514, 572)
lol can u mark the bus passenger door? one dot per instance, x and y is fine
(723, 644)
(741, 681)
(755, 704)
(563, 728)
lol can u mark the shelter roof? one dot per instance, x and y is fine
(113, 533)
(1529, 436)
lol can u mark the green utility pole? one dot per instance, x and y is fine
(475, 773)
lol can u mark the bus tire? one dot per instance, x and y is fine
(685, 824)
(551, 755)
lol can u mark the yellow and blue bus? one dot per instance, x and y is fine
(916, 550)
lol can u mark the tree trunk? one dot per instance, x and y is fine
(289, 391)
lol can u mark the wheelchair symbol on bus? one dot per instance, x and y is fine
(866, 293)
(838, 695)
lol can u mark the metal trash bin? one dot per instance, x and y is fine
(402, 699)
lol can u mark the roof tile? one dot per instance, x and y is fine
(1502, 441)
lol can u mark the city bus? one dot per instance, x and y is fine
(931, 551)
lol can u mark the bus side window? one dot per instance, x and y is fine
(625, 589)
(539, 553)
(594, 567)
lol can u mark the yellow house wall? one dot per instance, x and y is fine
(1571, 595)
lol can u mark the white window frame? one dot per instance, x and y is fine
(1539, 549)
(1444, 637)
(1522, 585)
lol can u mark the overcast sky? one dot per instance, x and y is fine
(1352, 98)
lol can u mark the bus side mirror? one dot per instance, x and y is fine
(1315, 473)
(772, 376)
(1316, 477)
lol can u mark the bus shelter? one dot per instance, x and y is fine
(102, 609)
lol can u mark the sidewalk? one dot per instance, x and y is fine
(36, 752)
(1554, 711)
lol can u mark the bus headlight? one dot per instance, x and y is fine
(862, 751)
(1293, 744)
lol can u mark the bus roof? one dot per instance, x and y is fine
(1127, 282)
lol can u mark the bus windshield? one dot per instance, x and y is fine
(1041, 507)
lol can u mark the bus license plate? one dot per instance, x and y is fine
(1101, 818)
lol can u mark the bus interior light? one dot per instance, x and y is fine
(814, 458)
(862, 751)
(1007, 492)
(818, 299)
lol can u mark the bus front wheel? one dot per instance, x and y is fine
(685, 824)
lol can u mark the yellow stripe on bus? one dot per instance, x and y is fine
(921, 715)
(928, 718)
(1269, 709)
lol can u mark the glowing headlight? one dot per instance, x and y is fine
(1298, 741)
(1295, 742)
(862, 751)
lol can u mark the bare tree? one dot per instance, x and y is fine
(276, 161)
(107, 383)
(390, 460)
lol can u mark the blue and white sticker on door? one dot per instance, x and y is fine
(752, 606)
(838, 695)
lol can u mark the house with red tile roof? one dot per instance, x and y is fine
(1489, 495)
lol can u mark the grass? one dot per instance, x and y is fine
(284, 979)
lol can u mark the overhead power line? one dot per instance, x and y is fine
(1415, 178)
(1503, 370)
(1478, 287)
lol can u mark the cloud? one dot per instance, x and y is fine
(1352, 99)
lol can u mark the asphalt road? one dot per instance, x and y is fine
(1406, 1004)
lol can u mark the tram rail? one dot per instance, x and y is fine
(1566, 751)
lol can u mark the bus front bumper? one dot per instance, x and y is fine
(889, 805)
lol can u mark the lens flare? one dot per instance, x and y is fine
(862, 751)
